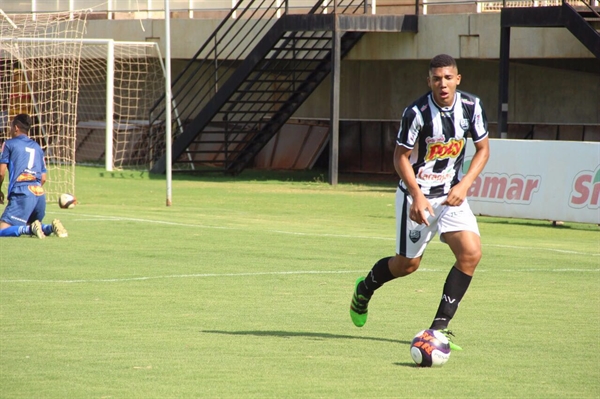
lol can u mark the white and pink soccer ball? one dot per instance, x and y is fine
(430, 348)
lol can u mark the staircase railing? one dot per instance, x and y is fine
(236, 35)
(586, 3)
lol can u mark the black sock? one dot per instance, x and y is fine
(379, 275)
(455, 287)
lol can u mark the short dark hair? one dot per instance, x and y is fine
(23, 122)
(441, 61)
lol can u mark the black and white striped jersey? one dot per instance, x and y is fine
(438, 137)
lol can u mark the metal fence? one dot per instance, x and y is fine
(150, 9)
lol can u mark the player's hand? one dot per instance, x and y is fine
(420, 210)
(456, 195)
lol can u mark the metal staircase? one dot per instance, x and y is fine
(251, 75)
(584, 24)
(580, 18)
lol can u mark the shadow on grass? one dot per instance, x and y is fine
(296, 334)
(406, 364)
(385, 183)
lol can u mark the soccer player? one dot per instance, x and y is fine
(432, 193)
(24, 160)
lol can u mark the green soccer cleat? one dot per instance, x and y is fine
(36, 230)
(358, 306)
(59, 229)
(449, 335)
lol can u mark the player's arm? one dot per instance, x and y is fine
(44, 171)
(458, 193)
(3, 169)
(405, 170)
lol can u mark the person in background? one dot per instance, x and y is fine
(23, 158)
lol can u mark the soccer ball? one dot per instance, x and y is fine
(67, 201)
(430, 348)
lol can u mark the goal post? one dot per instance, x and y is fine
(39, 68)
(119, 82)
(90, 99)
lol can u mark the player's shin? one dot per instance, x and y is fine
(455, 288)
(379, 275)
(47, 229)
(14, 231)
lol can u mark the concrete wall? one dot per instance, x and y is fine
(468, 36)
(460, 35)
(553, 78)
(381, 89)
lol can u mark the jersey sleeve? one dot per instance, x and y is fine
(4, 153)
(42, 160)
(410, 126)
(479, 124)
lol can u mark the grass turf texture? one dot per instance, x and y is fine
(242, 287)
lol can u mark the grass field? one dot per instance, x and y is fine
(241, 290)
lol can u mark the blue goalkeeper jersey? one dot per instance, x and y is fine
(25, 160)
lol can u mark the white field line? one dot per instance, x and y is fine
(118, 218)
(199, 275)
(305, 272)
(208, 275)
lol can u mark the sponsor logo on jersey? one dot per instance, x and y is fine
(436, 139)
(585, 190)
(442, 177)
(25, 177)
(479, 125)
(465, 101)
(451, 149)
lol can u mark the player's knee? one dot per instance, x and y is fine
(401, 266)
(410, 269)
(470, 259)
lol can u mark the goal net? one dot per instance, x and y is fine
(39, 66)
(118, 84)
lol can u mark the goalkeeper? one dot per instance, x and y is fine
(23, 158)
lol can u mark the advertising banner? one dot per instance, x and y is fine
(531, 179)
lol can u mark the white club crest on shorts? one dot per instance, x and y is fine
(414, 235)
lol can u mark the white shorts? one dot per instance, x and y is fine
(412, 238)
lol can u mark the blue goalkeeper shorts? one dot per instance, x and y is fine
(26, 204)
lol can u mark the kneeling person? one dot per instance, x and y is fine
(23, 158)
